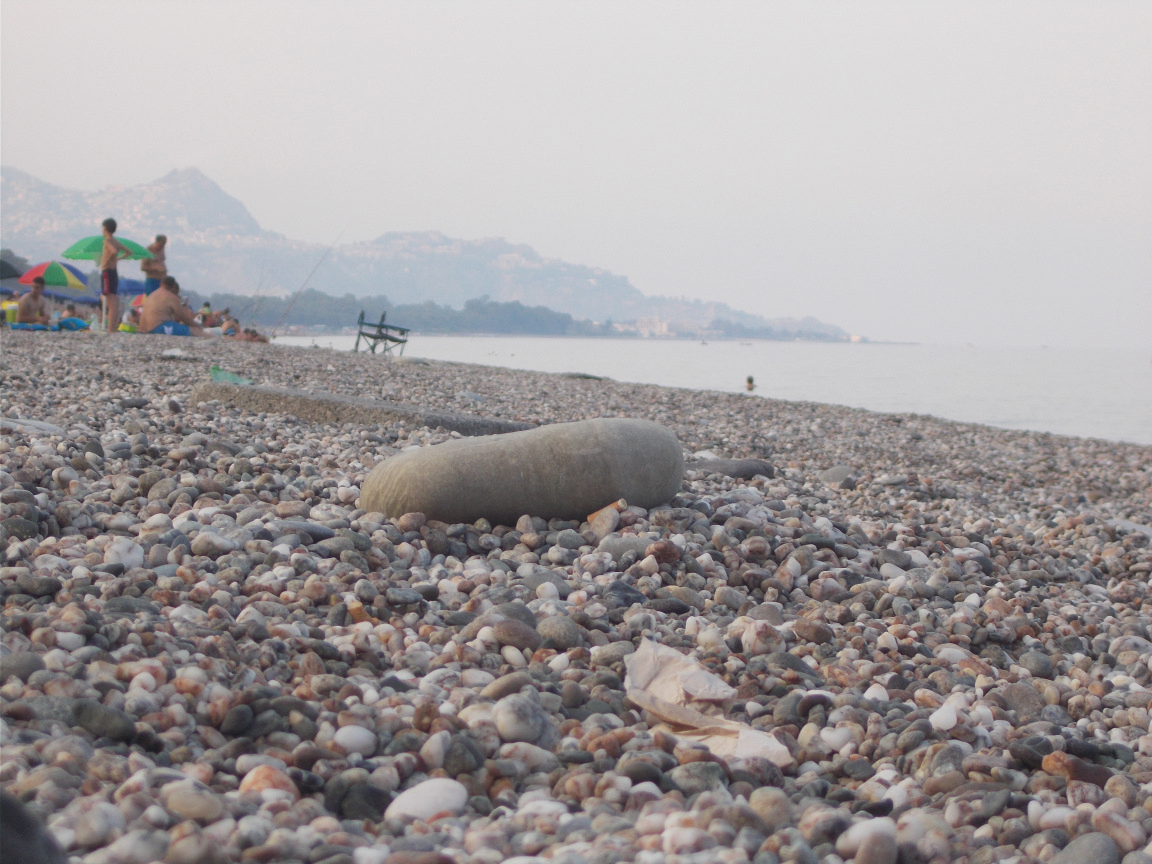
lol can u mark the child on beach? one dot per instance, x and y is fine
(112, 252)
(71, 319)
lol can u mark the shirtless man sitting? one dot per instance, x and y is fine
(164, 312)
(32, 307)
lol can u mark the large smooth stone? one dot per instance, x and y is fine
(563, 471)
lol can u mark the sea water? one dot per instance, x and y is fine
(1087, 393)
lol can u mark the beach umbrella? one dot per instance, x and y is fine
(130, 287)
(90, 249)
(90, 296)
(56, 275)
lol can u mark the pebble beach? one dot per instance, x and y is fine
(211, 653)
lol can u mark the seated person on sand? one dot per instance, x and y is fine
(32, 308)
(250, 335)
(131, 323)
(212, 320)
(230, 329)
(71, 320)
(164, 312)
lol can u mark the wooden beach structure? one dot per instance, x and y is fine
(388, 337)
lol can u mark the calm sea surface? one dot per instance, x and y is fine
(1096, 394)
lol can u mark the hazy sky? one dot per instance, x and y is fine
(939, 172)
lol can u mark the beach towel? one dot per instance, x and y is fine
(16, 326)
(71, 324)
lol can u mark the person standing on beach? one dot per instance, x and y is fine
(113, 251)
(156, 267)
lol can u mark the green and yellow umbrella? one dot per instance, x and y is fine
(90, 249)
(55, 275)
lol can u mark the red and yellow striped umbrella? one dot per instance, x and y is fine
(56, 275)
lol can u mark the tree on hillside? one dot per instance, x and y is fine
(481, 315)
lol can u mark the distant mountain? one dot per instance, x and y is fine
(216, 246)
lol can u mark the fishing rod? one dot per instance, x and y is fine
(288, 308)
(259, 295)
(255, 309)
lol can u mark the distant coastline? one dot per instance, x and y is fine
(311, 311)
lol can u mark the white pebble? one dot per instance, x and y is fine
(356, 739)
(876, 693)
(69, 641)
(559, 663)
(424, 800)
(513, 656)
(943, 718)
(123, 551)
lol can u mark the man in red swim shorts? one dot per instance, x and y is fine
(113, 251)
